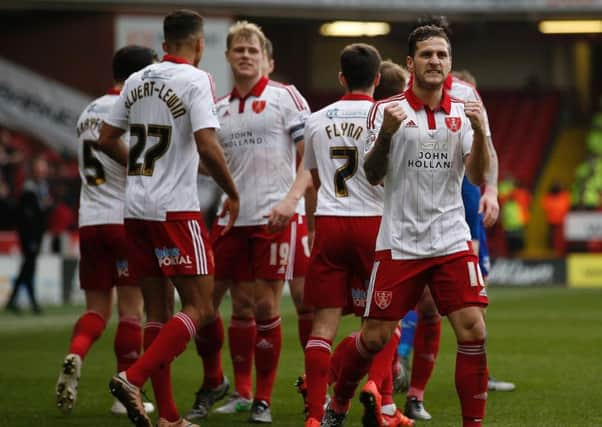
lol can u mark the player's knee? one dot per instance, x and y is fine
(375, 336)
(265, 308)
(206, 314)
(472, 327)
(242, 306)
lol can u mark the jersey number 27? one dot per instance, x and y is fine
(140, 133)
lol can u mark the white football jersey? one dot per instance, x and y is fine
(101, 200)
(162, 106)
(423, 211)
(464, 91)
(335, 143)
(258, 134)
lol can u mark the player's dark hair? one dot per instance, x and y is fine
(359, 65)
(435, 20)
(423, 33)
(393, 79)
(180, 25)
(130, 59)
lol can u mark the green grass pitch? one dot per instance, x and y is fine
(548, 341)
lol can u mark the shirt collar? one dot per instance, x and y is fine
(175, 59)
(256, 91)
(417, 104)
(113, 91)
(356, 97)
(447, 84)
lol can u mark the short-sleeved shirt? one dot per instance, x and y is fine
(258, 134)
(335, 142)
(101, 199)
(423, 212)
(162, 106)
(464, 91)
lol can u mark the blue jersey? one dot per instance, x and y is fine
(471, 194)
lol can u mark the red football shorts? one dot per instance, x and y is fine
(300, 254)
(178, 246)
(455, 282)
(103, 263)
(340, 262)
(247, 253)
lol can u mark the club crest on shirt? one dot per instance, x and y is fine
(383, 299)
(453, 123)
(258, 106)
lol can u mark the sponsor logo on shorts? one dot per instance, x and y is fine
(383, 299)
(171, 256)
(359, 297)
(483, 292)
(122, 268)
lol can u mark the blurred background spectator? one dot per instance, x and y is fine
(32, 212)
(556, 204)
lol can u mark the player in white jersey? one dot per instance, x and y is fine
(261, 128)
(426, 142)
(169, 111)
(461, 85)
(103, 263)
(303, 231)
(348, 215)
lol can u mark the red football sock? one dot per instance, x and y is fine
(128, 342)
(317, 361)
(355, 363)
(426, 348)
(209, 341)
(267, 353)
(471, 381)
(161, 378)
(87, 330)
(304, 324)
(385, 370)
(172, 341)
(241, 335)
(336, 360)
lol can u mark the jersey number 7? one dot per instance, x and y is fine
(154, 152)
(346, 171)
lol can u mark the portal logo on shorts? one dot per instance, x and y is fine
(122, 268)
(171, 256)
(359, 297)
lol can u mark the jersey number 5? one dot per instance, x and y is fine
(93, 170)
(154, 152)
(346, 171)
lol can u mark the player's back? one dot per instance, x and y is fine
(335, 144)
(162, 106)
(103, 179)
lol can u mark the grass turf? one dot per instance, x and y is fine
(547, 341)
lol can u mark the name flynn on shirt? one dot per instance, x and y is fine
(347, 129)
(159, 90)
